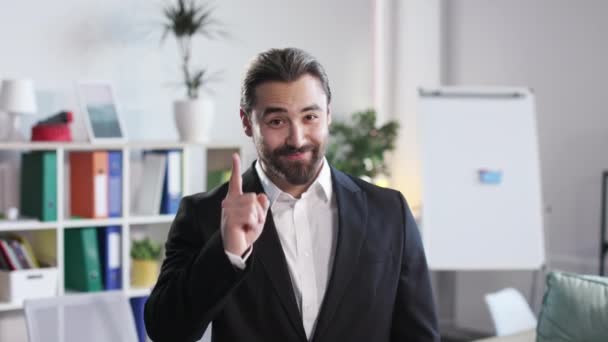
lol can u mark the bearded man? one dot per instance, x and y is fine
(293, 249)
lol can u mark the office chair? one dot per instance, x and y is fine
(510, 312)
(91, 317)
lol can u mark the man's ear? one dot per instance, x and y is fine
(328, 115)
(246, 124)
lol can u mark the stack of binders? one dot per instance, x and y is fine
(161, 188)
(96, 184)
(137, 306)
(93, 259)
(39, 185)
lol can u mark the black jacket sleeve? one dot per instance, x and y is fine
(196, 278)
(414, 317)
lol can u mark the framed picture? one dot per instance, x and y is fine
(101, 112)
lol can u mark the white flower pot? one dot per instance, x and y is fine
(193, 119)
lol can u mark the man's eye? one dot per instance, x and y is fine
(310, 117)
(275, 122)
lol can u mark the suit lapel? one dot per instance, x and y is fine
(352, 226)
(268, 250)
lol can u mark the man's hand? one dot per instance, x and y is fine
(243, 215)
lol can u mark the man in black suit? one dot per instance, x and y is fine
(292, 250)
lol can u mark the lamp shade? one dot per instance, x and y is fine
(18, 97)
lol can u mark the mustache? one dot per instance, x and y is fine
(287, 150)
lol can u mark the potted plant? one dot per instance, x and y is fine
(359, 147)
(145, 256)
(184, 20)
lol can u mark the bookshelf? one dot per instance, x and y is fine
(10, 306)
(194, 158)
(83, 223)
(138, 292)
(23, 226)
(151, 219)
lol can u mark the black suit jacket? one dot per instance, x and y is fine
(379, 288)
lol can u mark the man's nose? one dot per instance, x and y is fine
(296, 136)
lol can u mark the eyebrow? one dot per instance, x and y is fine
(272, 110)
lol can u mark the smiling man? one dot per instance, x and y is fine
(293, 249)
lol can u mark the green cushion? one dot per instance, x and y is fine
(575, 308)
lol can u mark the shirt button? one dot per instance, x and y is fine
(307, 254)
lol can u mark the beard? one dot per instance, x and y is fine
(296, 172)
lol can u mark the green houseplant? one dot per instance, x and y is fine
(358, 147)
(184, 20)
(145, 249)
(145, 256)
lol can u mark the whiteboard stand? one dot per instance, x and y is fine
(481, 187)
(603, 242)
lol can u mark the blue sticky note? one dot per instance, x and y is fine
(490, 176)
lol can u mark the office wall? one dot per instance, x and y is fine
(558, 48)
(58, 42)
(117, 40)
(416, 57)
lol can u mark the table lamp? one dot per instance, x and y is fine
(17, 97)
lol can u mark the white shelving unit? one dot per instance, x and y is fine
(128, 221)
(134, 292)
(10, 306)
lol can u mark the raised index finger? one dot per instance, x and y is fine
(235, 185)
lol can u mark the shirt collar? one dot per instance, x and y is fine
(323, 181)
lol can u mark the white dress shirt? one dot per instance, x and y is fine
(307, 228)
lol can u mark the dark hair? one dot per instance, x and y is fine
(285, 65)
